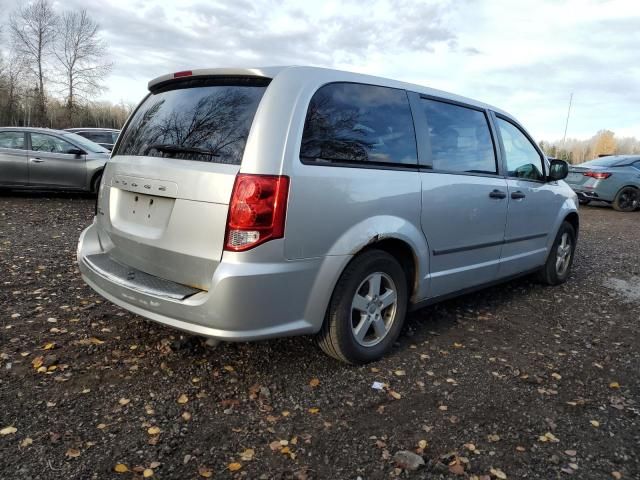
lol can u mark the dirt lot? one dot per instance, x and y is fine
(518, 381)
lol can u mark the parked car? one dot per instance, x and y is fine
(105, 137)
(43, 158)
(613, 179)
(243, 204)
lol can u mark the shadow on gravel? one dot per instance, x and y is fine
(298, 354)
(42, 194)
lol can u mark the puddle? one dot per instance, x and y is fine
(629, 289)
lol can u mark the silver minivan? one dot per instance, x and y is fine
(245, 204)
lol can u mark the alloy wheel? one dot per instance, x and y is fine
(373, 309)
(629, 199)
(563, 254)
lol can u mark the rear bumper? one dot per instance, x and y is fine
(596, 190)
(586, 195)
(246, 301)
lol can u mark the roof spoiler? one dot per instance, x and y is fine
(266, 73)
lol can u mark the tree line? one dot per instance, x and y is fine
(601, 144)
(53, 64)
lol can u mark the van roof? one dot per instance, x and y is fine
(340, 75)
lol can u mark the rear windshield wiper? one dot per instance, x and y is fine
(166, 147)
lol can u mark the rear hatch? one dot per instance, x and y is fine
(595, 171)
(576, 175)
(163, 205)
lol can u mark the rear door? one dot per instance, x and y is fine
(464, 197)
(533, 203)
(13, 158)
(167, 186)
(51, 164)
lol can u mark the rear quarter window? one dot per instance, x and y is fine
(201, 122)
(354, 123)
(98, 137)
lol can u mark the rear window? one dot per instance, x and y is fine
(85, 143)
(355, 123)
(609, 162)
(98, 137)
(201, 122)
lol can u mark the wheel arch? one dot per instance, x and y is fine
(404, 254)
(95, 175)
(574, 219)
(568, 212)
(636, 187)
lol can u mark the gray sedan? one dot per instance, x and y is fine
(43, 158)
(614, 180)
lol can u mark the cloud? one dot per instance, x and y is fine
(525, 56)
(149, 38)
(274, 32)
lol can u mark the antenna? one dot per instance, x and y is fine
(566, 125)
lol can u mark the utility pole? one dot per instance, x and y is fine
(566, 125)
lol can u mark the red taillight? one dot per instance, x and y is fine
(256, 211)
(185, 73)
(597, 175)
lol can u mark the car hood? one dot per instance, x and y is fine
(98, 156)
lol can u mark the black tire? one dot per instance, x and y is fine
(550, 274)
(337, 337)
(627, 199)
(584, 202)
(95, 184)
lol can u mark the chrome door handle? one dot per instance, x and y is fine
(36, 160)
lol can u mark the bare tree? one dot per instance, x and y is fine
(12, 85)
(81, 53)
(33, 30)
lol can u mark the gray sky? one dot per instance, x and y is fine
(524, 56)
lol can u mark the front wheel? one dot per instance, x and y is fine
(627, 200)
(558, 266)
(367, 309)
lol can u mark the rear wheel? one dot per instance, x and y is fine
(627, 200)
(367, 309)
(558, 266)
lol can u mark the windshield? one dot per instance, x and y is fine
(204, 122)
(86, 143)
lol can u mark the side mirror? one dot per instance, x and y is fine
(558, 170)
(76, 151)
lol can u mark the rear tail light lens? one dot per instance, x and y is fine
(256, 211)
(597, 175)
(184, 73)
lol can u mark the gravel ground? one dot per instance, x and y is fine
(517, 381)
